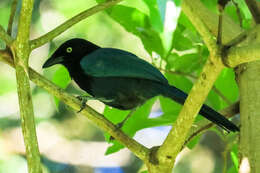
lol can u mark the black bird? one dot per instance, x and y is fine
(120, 79)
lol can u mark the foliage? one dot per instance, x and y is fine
(177, 50)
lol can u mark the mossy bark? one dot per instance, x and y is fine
(249, 144)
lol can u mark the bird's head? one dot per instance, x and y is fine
(70, 51)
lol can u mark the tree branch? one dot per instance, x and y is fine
(21, 51)
(4, 36)
(11, 18)
(246, 51)
(177, 136)
(243, 54)
(74, 20)
(253, 6)
(172, 145)
(191, 11)
(97, 118)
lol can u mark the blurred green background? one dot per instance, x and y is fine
(155, 30)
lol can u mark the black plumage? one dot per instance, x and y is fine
(120, 79)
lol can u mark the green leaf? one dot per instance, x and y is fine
(114, 148)
(179, 41)
(156, 18)
(186, 23)
(186, 63)
(138, 24)
(226, 83)
(144, 171)
(62, 79)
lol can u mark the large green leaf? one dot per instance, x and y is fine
(156, 18)
(138, 23)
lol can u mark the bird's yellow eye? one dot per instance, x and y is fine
(69, 50)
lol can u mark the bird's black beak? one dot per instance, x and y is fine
(52, 61)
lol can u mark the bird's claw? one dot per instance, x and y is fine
(83, 102)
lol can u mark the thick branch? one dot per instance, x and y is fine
(177, 136)
(245, 50)
(4, 36)
(191, 11)
(98, 119)
(74, 20)
(21, 51)
(248, 76)
(253, 6)
(240, 55)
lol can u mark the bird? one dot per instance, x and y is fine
(120, 79)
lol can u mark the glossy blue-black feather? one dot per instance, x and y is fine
(109, 62)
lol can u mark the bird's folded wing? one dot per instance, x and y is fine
(109, 62)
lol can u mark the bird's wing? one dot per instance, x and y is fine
(109, 62)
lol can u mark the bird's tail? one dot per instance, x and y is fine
(209, 113)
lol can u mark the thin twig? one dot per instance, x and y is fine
(74, 20)
(220, 22)
(11, 18)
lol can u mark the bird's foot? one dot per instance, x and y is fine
(83, 100)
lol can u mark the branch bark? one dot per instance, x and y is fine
(249, 143)
(21, 51)
(167, 153)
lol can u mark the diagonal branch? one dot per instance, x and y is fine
(253, 6)
(191, 11)
(177, 136)
(172, 145)
(11, 18)
(74, 20)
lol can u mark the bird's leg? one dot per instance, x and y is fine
(84, 100)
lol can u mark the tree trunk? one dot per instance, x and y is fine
(249, 144)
